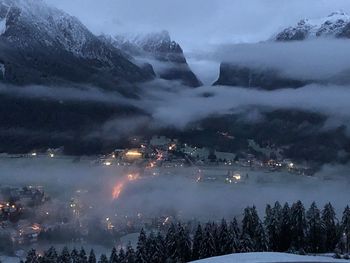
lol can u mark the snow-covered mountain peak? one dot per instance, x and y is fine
(332, 18)
(334, 25)
(155, 42)
(54, 26)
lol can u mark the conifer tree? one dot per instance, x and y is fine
(103, 259)
(183, 244)
(141, 252)
(225, 239)
(50, 256)
(160, 253)
(273, 224)
(298, 225)
(261, 242)
(314, 229)
(208, 244)
(32, 257)
(235, 234)
(75, 256)
(252, 227)
(345, 226)
(246, 244)
(121, 256)
(83, 256)
(113, 258)
(250, 221)
(197, 243)
(65, 256)
(129, 254)
(92, 257)
(286, 232)
(329, 228)
(170, 243)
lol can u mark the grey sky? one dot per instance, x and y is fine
(198, 23)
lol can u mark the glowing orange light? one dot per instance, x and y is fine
(117, 190)
(36, 227)
(133, 177)
(151, 165)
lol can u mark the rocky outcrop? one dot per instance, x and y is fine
(165, 55)
(234, 75)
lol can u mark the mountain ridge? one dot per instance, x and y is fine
(156, 48)
(334, 26)
(337, 25)
(42, 44)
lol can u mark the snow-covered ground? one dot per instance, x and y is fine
(268, 257)
(5, 259)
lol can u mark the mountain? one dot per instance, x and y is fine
(43, 45)
(158, 49)
(336, 25)
(267, 79)
(40, 44)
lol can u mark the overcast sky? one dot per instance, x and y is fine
(198, 23)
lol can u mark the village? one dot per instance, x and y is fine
(161, 151)
(29, 215)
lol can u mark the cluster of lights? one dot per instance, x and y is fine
(7, 205)
(133, 154)
(107, 163)
(234, 179)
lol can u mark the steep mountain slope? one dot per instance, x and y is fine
(335, 25)
(165, 55)
(41, 44)
(267, 79)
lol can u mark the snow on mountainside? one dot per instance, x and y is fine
(268, 257)
(41, 44)
(165, 55)
(52, 27)
(336, 25)
(158, 44)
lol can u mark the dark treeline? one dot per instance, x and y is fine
(283, 229)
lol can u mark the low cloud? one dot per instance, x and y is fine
(181, 108)
(178, 192)
(310, 60)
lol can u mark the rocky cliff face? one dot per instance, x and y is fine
(40, 44)
(165, 55)
(234, 75)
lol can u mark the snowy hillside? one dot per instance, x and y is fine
(336, 25)
(41, 44)
(267, 258)
(28, 22)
